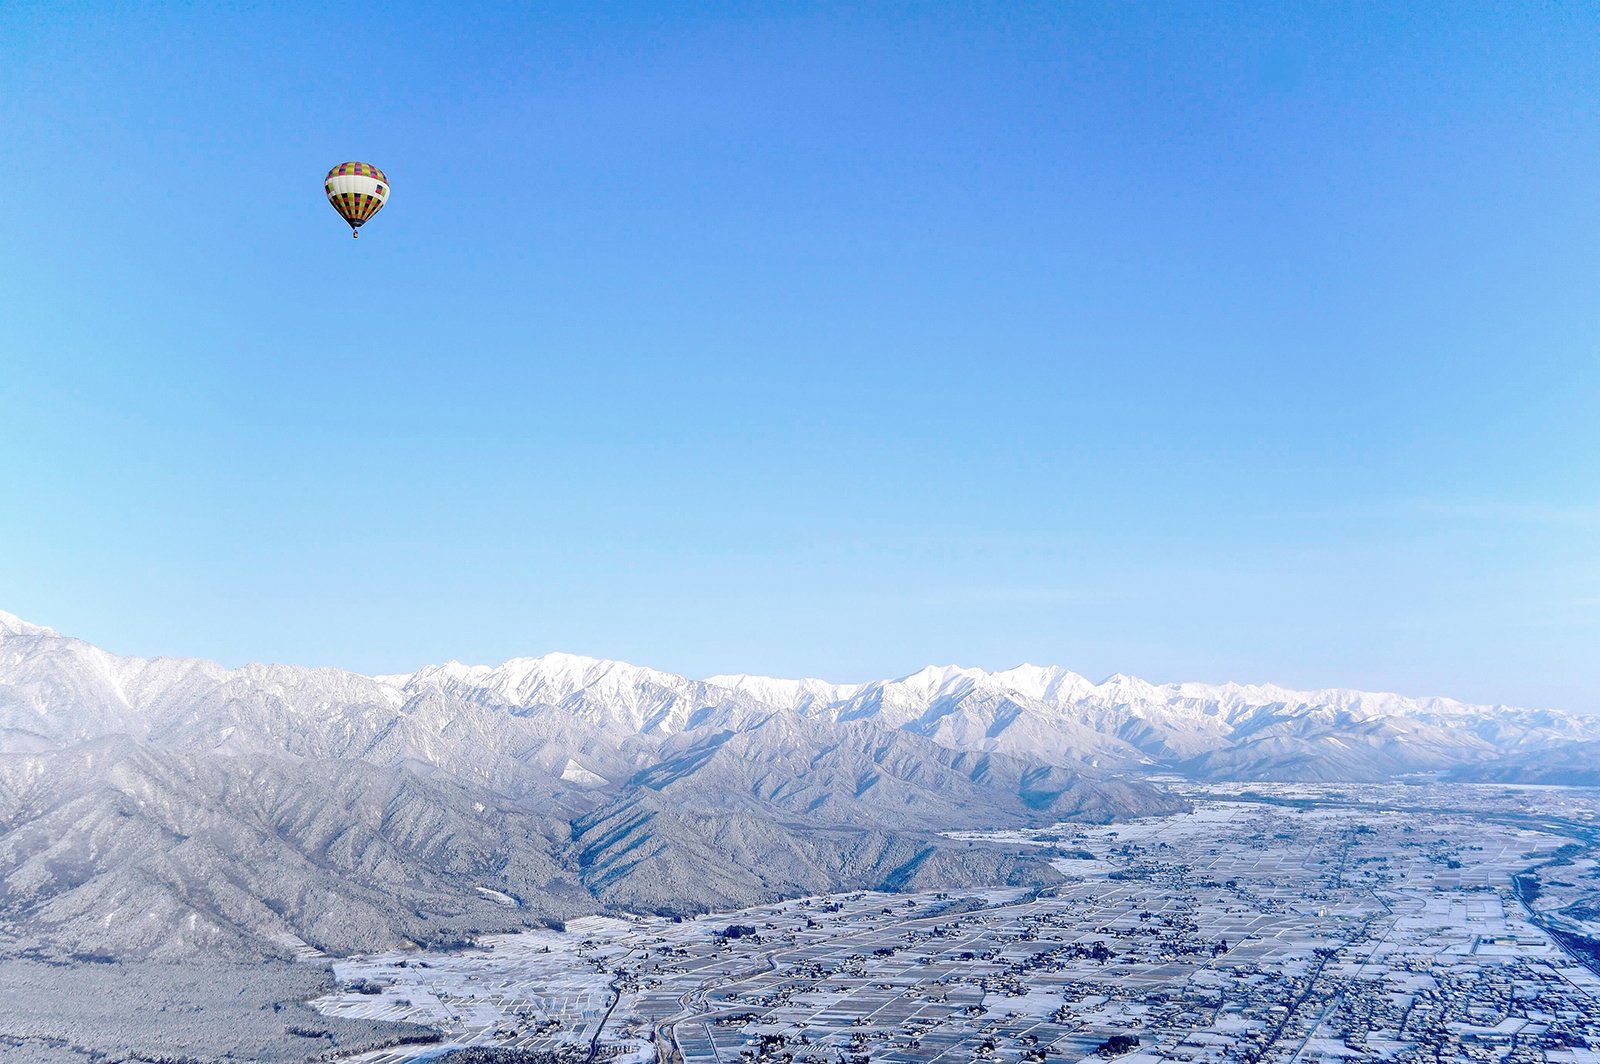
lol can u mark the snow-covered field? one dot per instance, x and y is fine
(1291, 923)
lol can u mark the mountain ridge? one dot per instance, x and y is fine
(522, 678)
(167, 807)
(1045, 712)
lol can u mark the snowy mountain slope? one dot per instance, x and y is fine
(527, 722)
(166, 807)
(1222, 730)
(798, 695)
(612, 695)
(119, 845)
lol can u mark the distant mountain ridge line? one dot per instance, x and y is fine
(1043, 714)
(1035, 681)
(1043, 682)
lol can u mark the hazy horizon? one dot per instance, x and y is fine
(1097, 679)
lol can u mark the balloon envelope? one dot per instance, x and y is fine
(357, 191)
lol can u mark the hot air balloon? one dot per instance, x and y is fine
(357, 191)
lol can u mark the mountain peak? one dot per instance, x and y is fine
(11, 624)
(1045, 682)
(934, 677)
(789, 694)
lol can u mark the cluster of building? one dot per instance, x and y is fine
(1298, 925)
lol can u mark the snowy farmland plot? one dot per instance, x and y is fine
(1271, 923)
(65, 1013)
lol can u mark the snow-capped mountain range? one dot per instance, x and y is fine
(170, 806)
(55, 689)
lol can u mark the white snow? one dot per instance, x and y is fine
(576, 773)
(59, 689)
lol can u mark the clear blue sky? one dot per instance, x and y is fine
(1196, 341)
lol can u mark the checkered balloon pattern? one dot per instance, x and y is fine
(357, 191)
